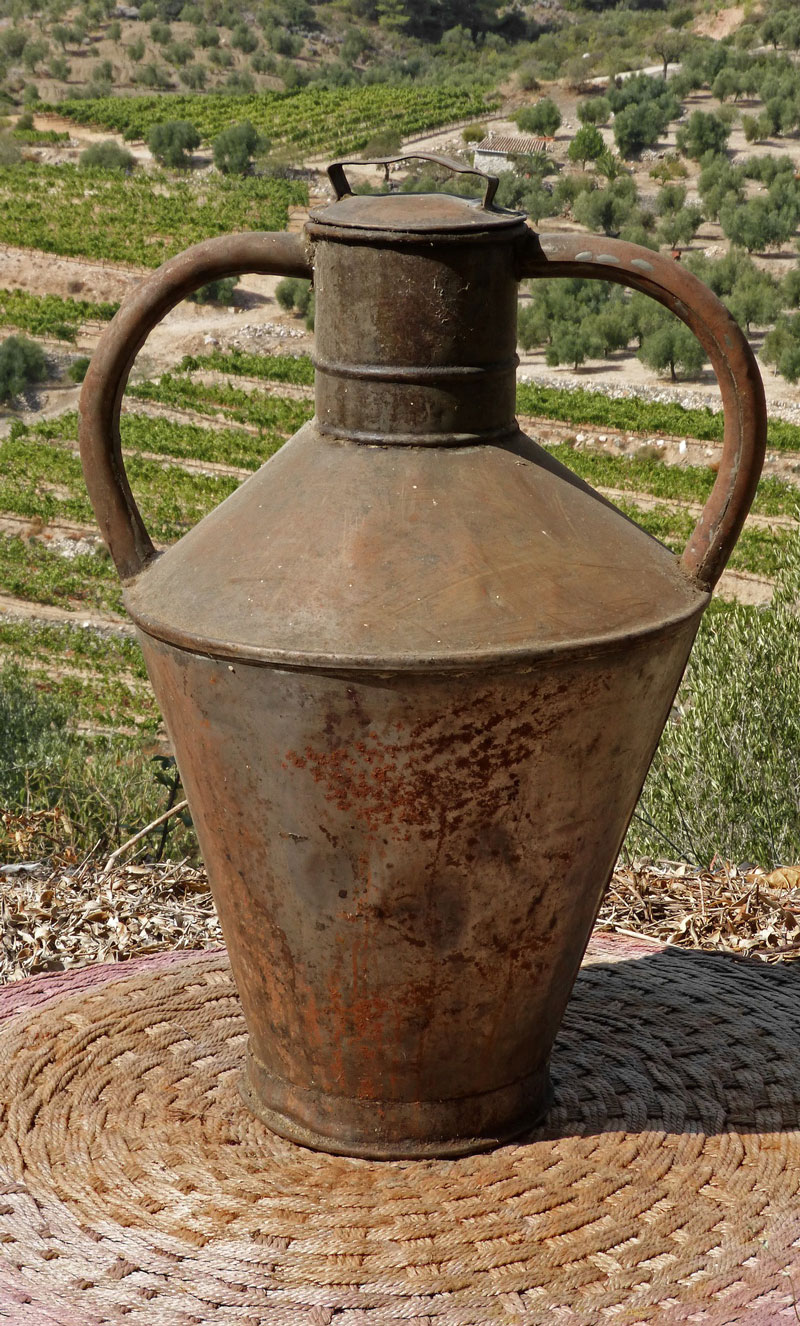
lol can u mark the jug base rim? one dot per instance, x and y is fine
(532, 1098)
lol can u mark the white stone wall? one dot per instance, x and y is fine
(493, 162)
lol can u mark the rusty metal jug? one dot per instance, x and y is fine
(414, 670)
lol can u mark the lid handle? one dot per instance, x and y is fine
(342, 189)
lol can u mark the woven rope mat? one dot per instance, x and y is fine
(135, 1187)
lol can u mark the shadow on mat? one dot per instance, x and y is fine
(678, 1042)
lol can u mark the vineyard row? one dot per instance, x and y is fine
(308, 120)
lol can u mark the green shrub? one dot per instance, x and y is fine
(216, 292)
(173, 142)
(595, 110)
(542, 118)
(474, 133)
(10, 153)
(587, 145)
(244, 39)
(294, 295)
(703, 132)
(22, 363)
(108, 155)
(77, 369)
(234, 148)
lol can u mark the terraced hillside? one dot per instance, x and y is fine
(191, 436)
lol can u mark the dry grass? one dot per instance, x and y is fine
(62, 916)
(747, 912)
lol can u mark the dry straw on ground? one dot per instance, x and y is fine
(59, 916)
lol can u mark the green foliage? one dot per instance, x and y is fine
(595, 110)
(22, 364)
(669, 45)
(782, 347)
(38, 574)
(33, 745)
(678, 222)
(143, 434)
(10, 154)
(153, 75)
(751, 294)
(36, 136)
(194, 76)
(275, 368)
(142, 219)
(160, 33)
(575, 320)
(265, 411)
(607, 209)
(234, 148)
(307, 120)
(221, 57)
(244, 39)
(294, 295)
(755, 225)
(77, 369)
(173, 142)
(637, 127)
(704, 132)
(725, 780)
(103, 789)
(474, 133)
(791, 288)
(720, 184)
(215, 292)
(587, 145)
(30, 471)
(542, 118)
(50, 315)
(674, 347)
(664, 342)
(578, 406)
(109, 155)
(179, 53)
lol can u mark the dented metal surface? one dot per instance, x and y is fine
(414, 672)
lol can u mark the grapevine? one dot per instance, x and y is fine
(308, 120)
(50, 315)
(140, 219)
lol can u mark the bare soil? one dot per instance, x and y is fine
(721, 24)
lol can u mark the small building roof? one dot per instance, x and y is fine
(510, 144)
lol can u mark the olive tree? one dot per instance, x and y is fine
(704, 132)
(543, 118)
(22, 363)
(594, 110)
(671, 345)
(234, 148)
(171, 143)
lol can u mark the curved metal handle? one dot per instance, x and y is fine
(744, 406)
(342, 189)
(117, 514)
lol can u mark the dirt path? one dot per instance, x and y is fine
(22, 609)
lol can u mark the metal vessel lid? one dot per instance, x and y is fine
(413, 213)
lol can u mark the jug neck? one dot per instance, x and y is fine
(415, 340)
